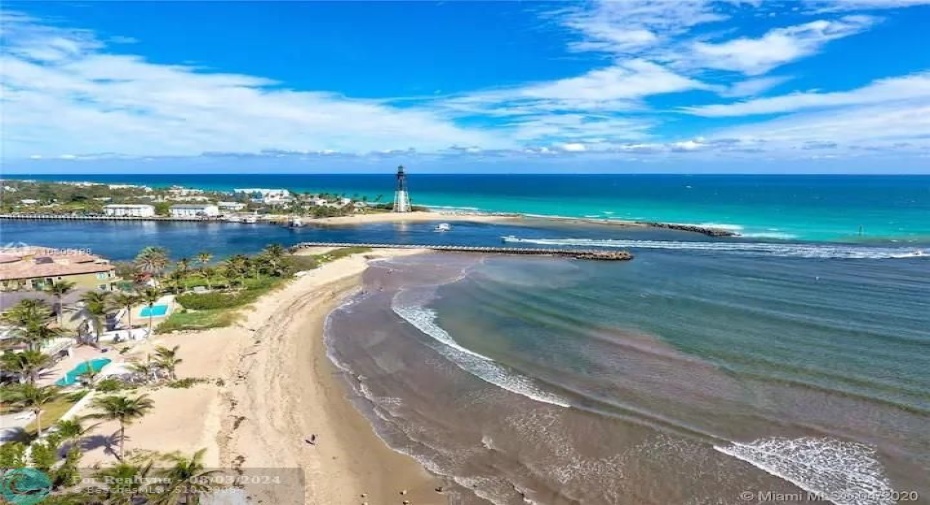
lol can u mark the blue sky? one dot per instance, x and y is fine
(621, 86)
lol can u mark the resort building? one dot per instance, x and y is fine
(265, 196)
(128, 210)
(37, 268)
(230, 206)
(194, 210)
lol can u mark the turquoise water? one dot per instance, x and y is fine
(812, 207)
(154, 311)
(93, 365)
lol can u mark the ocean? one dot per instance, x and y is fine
(705, 371)
(781, 207)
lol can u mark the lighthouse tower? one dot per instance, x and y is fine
(401, 198)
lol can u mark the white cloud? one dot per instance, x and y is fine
(907, 88)
(631, 26)
(777, 47)
(862, 5)
(880, 126)
(573, 147)
(628, 80)
(752, 87)
(63, 93)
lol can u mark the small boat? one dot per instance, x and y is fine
(443, 227)
(233, 219)
(509, 238)
(295, 223)
(250, 219)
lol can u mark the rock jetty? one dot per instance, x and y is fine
(704, 230)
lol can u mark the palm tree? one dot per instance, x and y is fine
(26, 364)
(204, 259)
(274, 254)
(126, 300)
(168, 359)
(30, 319)
(72, 429)
(95, 310)
(150, 296)
(122, 409)
(186, 479)
(144, 368)
(35, 333)
(207, 273)
(59, 290)
(29, 310)
(152, 260)
(132, 482)
(236, 267)
(175, 277)
(34, 398)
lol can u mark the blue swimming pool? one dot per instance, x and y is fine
(71, 377)
(154, 311)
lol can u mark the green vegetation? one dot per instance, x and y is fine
(186, 320)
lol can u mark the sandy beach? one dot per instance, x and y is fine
(271, 388)
(419, 216)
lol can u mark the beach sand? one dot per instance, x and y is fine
(419, 216)
(278, 387)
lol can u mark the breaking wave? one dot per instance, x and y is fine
(845, 473)
(476, 364)
(820, 251)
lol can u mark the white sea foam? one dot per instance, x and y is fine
(823, 251)
(769, 234)
(846, 473)
(485, 368)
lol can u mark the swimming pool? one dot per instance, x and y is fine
(154, 311)
(71, 377)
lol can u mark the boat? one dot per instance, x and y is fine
(250, 219)
(443, 227)
(509, 238)
(295, 223)
(233, 219)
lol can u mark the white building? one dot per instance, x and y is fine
(266, 196)
(230, 206)
(194, 210)
(129, 210)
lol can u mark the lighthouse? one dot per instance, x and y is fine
(401, 198)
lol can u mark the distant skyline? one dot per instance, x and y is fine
(685, 86)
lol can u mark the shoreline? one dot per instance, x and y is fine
(284, 388)
(271, 385)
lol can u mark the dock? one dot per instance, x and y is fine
(586, 254)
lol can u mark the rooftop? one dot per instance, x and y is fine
(35, 262)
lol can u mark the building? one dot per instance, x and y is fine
(265, 196)
(129, 210)
(37, 268)
(230, 206)
(195, 210)
(401, 197)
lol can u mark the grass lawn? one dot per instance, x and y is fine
(197, 320)
(51, 414)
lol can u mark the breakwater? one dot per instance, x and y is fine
(585, 254)
(704, 230)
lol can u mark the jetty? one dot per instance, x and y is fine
(585, 254)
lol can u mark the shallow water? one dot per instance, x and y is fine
(675, 378)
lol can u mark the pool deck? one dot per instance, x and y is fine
(78, 355)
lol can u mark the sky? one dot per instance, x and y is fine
(683, 86)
